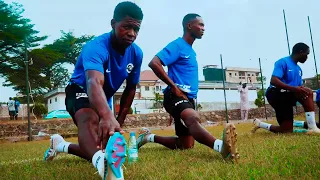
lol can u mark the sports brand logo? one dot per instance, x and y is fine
(129, 67)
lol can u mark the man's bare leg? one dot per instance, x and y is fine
(191, 120)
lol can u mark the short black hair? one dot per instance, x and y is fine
(125, 9)
(299, 48)
(187, 18)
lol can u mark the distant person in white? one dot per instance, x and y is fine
(11, 108)
(244, 102)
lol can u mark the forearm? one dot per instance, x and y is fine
(125, 103)
(158, 69)
(275, 81)
(98, 99)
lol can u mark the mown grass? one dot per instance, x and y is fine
(264, 155)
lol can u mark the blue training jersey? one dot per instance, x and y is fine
(182, 64)
(288, 72)
(98, 55)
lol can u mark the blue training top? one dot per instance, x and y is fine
(288, 72)
(99, 55)
(182, 64)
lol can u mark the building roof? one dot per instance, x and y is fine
(54, 92)
(148, 75)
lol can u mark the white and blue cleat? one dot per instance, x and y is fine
(51, 152)
(115, 156)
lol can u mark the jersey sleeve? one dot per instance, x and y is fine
(169, 54)
(134, 76)
(93, 56)
(279, 69)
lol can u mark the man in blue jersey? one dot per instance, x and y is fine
(103, 65)
(286, 90)
(180, 95)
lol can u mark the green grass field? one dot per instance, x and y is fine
(264, 155)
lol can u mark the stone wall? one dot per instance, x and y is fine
(67, 127)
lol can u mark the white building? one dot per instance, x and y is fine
(56, 99)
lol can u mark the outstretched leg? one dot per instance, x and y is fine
(188, 128)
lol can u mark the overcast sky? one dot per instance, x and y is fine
(239, 29)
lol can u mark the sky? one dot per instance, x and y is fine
(241, 30)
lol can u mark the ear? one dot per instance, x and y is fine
(113, 23)
(189, 26)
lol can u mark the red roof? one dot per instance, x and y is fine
(148, 75)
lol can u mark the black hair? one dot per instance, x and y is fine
(299, 48)
(187, 18)
(125, 9)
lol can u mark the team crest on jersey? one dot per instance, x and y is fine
(129, 67)
(300, 73)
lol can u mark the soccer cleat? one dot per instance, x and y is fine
(314, 130)
(256, 123)
(51, 152)
(143, 137)
(144, 130)
(115, 156)
(229, 146)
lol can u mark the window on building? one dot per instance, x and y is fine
(146, 88)
(157, 88)
(235, 74)
(230, 74)
(249, 75)
(50, 101)
(241, 73)
(257, 74)
(55, 99)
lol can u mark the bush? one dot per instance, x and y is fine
(39, 109)
(259, 101)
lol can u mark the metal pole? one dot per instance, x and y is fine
(27, 89)
(314, 55)
(285, 25)
(264, 99)
(224, 90)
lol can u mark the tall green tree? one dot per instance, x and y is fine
(14, 29)
(69, 45)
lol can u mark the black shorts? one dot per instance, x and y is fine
(12, 113)
(282, 102)
(174, 106)
(76, 98)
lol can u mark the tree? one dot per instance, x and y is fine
(40, 72)
(14, 29)
(264, 79)
(313, 83)
(69, 46)
(158, 100)
(260, 99)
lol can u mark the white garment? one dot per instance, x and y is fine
(244, 114)
(11, 106)
(244, 102)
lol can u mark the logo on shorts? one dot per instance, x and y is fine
(181, 101)
(81, 95)
(129, 67)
